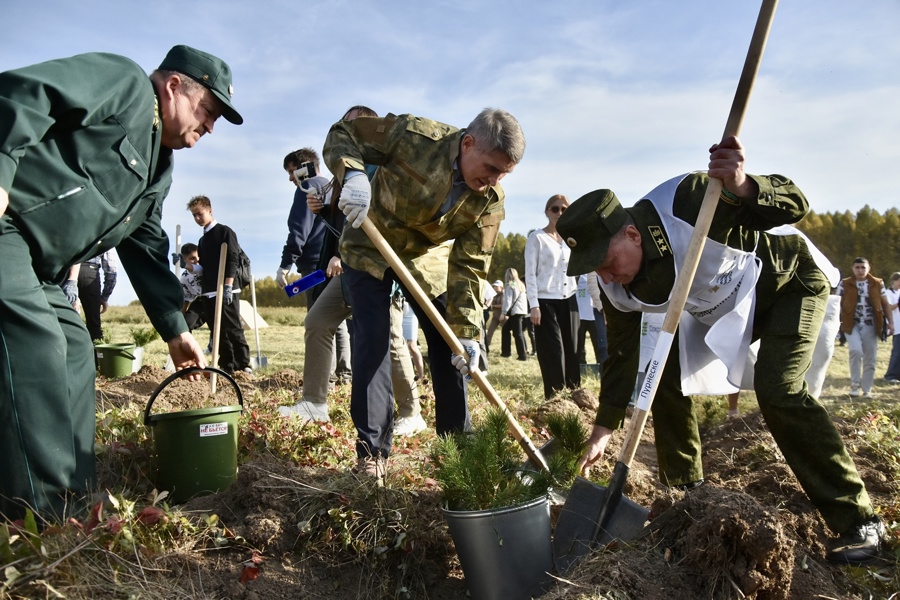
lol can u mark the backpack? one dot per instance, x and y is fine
(243, 275)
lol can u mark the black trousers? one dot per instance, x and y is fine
(556, 339)
(371, 398)
(234, 353)
(89, 295)
(513, 327)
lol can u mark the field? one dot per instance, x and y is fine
(298, 524)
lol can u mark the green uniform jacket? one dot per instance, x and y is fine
(80, 156)
(415, 158)
(737, 223)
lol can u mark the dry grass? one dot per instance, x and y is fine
(296, 507)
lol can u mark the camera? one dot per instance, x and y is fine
(304, 171)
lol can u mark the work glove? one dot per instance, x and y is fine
(176, 259)
(227, 294)
(356, 196)
(70, 289)
(281, 277)
(468, 362)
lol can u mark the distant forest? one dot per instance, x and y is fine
(841, 236)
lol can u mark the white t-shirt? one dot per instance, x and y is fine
(893, 297)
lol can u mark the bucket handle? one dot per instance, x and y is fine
(188, 371)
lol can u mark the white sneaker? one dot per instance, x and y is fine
(407, 426)
(309, 411)
(854, 392)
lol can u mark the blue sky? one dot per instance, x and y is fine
(610, 94)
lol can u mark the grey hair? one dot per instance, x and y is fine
(191, 86)
(495, 130)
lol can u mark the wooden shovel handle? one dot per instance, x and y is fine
(455, 346)
(692, 258)
(217, 320)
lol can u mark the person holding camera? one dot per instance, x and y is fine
(329, 314)
(305, 232)
(434, 184)
(86, 144)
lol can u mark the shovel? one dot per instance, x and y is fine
(455, 346)
(259, 361)
(593, 515)
(217, 320)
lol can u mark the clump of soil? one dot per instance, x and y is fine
(715, 530)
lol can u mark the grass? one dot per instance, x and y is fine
(138, 546)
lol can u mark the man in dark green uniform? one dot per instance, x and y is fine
(85, 163)
(758, 278)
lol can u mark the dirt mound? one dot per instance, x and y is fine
(748, 532)
(728, 533)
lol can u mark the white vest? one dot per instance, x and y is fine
(714, 342)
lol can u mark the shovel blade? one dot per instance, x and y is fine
(259, 363)
(574, 534)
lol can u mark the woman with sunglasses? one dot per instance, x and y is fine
(551, 298)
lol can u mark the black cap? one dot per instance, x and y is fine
(587, 226)
(212, 72)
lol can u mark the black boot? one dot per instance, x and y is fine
(859, 544)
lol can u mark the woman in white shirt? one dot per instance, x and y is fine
(551, 298)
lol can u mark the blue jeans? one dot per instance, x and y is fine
(371, 398)
(893, 370)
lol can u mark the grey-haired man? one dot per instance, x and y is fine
(86, 143)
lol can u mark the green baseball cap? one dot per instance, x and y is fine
(587, 226)
(212, 72)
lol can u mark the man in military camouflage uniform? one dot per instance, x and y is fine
(434, 183)
(757, 278)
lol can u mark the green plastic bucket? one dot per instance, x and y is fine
(114, 360)
(196, 450)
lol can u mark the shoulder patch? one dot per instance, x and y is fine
(659, 239)
(428, 128)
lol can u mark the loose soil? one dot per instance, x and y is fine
(748, 532)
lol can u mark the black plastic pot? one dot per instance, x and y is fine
(505, 553)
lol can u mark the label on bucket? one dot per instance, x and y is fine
(211, 429)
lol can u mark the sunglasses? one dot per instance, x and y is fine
(558, 209)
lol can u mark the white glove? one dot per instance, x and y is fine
(281, 277)
(467, 363)
(355, 197)
(70, 289)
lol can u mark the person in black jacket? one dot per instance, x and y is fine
(234, 353)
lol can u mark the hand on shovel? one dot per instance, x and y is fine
(186, 352)
(470, 361)
(596, 446)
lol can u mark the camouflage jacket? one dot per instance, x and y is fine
(416, 171)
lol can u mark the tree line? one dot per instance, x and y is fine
(841, 236)
(844, 236)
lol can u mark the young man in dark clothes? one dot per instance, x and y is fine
(234, 353)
